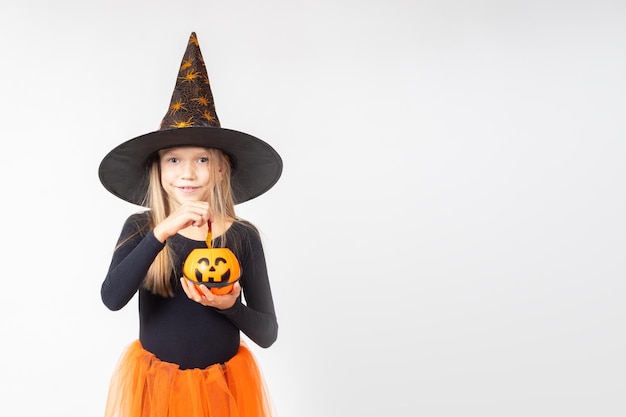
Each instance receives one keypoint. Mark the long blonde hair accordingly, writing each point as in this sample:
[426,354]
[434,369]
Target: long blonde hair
[158,279]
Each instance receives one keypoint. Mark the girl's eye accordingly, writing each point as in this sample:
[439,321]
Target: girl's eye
[172,160]
[203,160]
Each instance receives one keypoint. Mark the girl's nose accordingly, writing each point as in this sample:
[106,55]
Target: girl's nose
[187,171]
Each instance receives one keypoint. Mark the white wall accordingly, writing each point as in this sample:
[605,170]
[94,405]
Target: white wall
[447,238]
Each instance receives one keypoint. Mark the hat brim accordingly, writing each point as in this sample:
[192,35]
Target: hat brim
[256,166]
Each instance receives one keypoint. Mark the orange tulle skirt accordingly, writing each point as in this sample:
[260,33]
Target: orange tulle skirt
[144,386]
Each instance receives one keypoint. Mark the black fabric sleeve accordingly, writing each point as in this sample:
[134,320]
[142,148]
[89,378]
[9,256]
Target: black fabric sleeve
[256,318]
[129,264]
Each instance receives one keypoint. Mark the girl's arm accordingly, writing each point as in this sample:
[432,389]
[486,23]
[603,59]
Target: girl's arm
[256,318]
[129,264]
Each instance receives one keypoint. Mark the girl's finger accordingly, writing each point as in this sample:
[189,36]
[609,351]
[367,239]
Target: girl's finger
[190,290]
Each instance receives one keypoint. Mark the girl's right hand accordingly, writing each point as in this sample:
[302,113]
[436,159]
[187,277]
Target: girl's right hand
[190,213]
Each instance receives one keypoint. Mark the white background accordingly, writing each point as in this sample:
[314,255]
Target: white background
[448,235]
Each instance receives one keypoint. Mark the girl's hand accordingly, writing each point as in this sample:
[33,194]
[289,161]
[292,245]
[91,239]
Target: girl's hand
[190,213]
[203,295]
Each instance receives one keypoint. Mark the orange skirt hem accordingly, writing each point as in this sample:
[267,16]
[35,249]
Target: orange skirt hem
[144,386]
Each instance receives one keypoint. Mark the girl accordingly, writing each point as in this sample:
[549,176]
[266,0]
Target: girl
[189,359]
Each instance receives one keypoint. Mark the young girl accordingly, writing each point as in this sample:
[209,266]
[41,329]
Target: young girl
[189,359]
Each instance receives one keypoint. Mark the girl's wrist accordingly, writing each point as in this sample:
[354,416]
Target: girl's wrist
[159,234]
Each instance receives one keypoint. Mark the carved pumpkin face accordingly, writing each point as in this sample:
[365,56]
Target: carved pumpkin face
[217,268]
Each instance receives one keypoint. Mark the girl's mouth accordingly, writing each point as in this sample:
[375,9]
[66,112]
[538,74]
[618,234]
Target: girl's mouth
[187,189]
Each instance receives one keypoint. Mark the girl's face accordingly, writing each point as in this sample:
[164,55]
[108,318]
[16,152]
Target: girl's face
[185,174]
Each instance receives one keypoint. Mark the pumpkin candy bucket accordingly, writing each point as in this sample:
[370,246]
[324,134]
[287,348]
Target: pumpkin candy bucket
[216,268]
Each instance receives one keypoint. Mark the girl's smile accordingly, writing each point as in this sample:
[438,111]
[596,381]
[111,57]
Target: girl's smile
[187,189]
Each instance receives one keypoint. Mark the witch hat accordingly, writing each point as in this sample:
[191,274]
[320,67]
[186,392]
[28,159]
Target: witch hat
[191,120]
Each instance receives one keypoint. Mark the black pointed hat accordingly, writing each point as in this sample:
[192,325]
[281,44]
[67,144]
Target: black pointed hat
[191,120]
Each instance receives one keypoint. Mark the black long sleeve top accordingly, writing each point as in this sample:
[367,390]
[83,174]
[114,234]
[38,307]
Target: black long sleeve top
[179,330]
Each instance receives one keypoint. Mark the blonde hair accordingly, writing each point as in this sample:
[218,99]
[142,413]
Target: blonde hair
[158,279]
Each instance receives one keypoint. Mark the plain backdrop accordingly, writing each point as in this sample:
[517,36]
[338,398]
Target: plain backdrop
[448,235]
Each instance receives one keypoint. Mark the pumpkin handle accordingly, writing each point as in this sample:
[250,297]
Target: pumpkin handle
[209,236]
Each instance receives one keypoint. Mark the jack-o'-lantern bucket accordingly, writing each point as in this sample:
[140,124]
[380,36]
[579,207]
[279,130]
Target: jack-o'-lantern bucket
[216,268]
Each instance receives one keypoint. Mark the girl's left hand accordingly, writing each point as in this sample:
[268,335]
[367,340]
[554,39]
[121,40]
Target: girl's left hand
[203,295]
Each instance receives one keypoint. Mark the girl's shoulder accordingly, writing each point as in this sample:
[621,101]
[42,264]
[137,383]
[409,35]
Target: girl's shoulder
[139,217]
[242,235]
[245,228]
[138,221]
